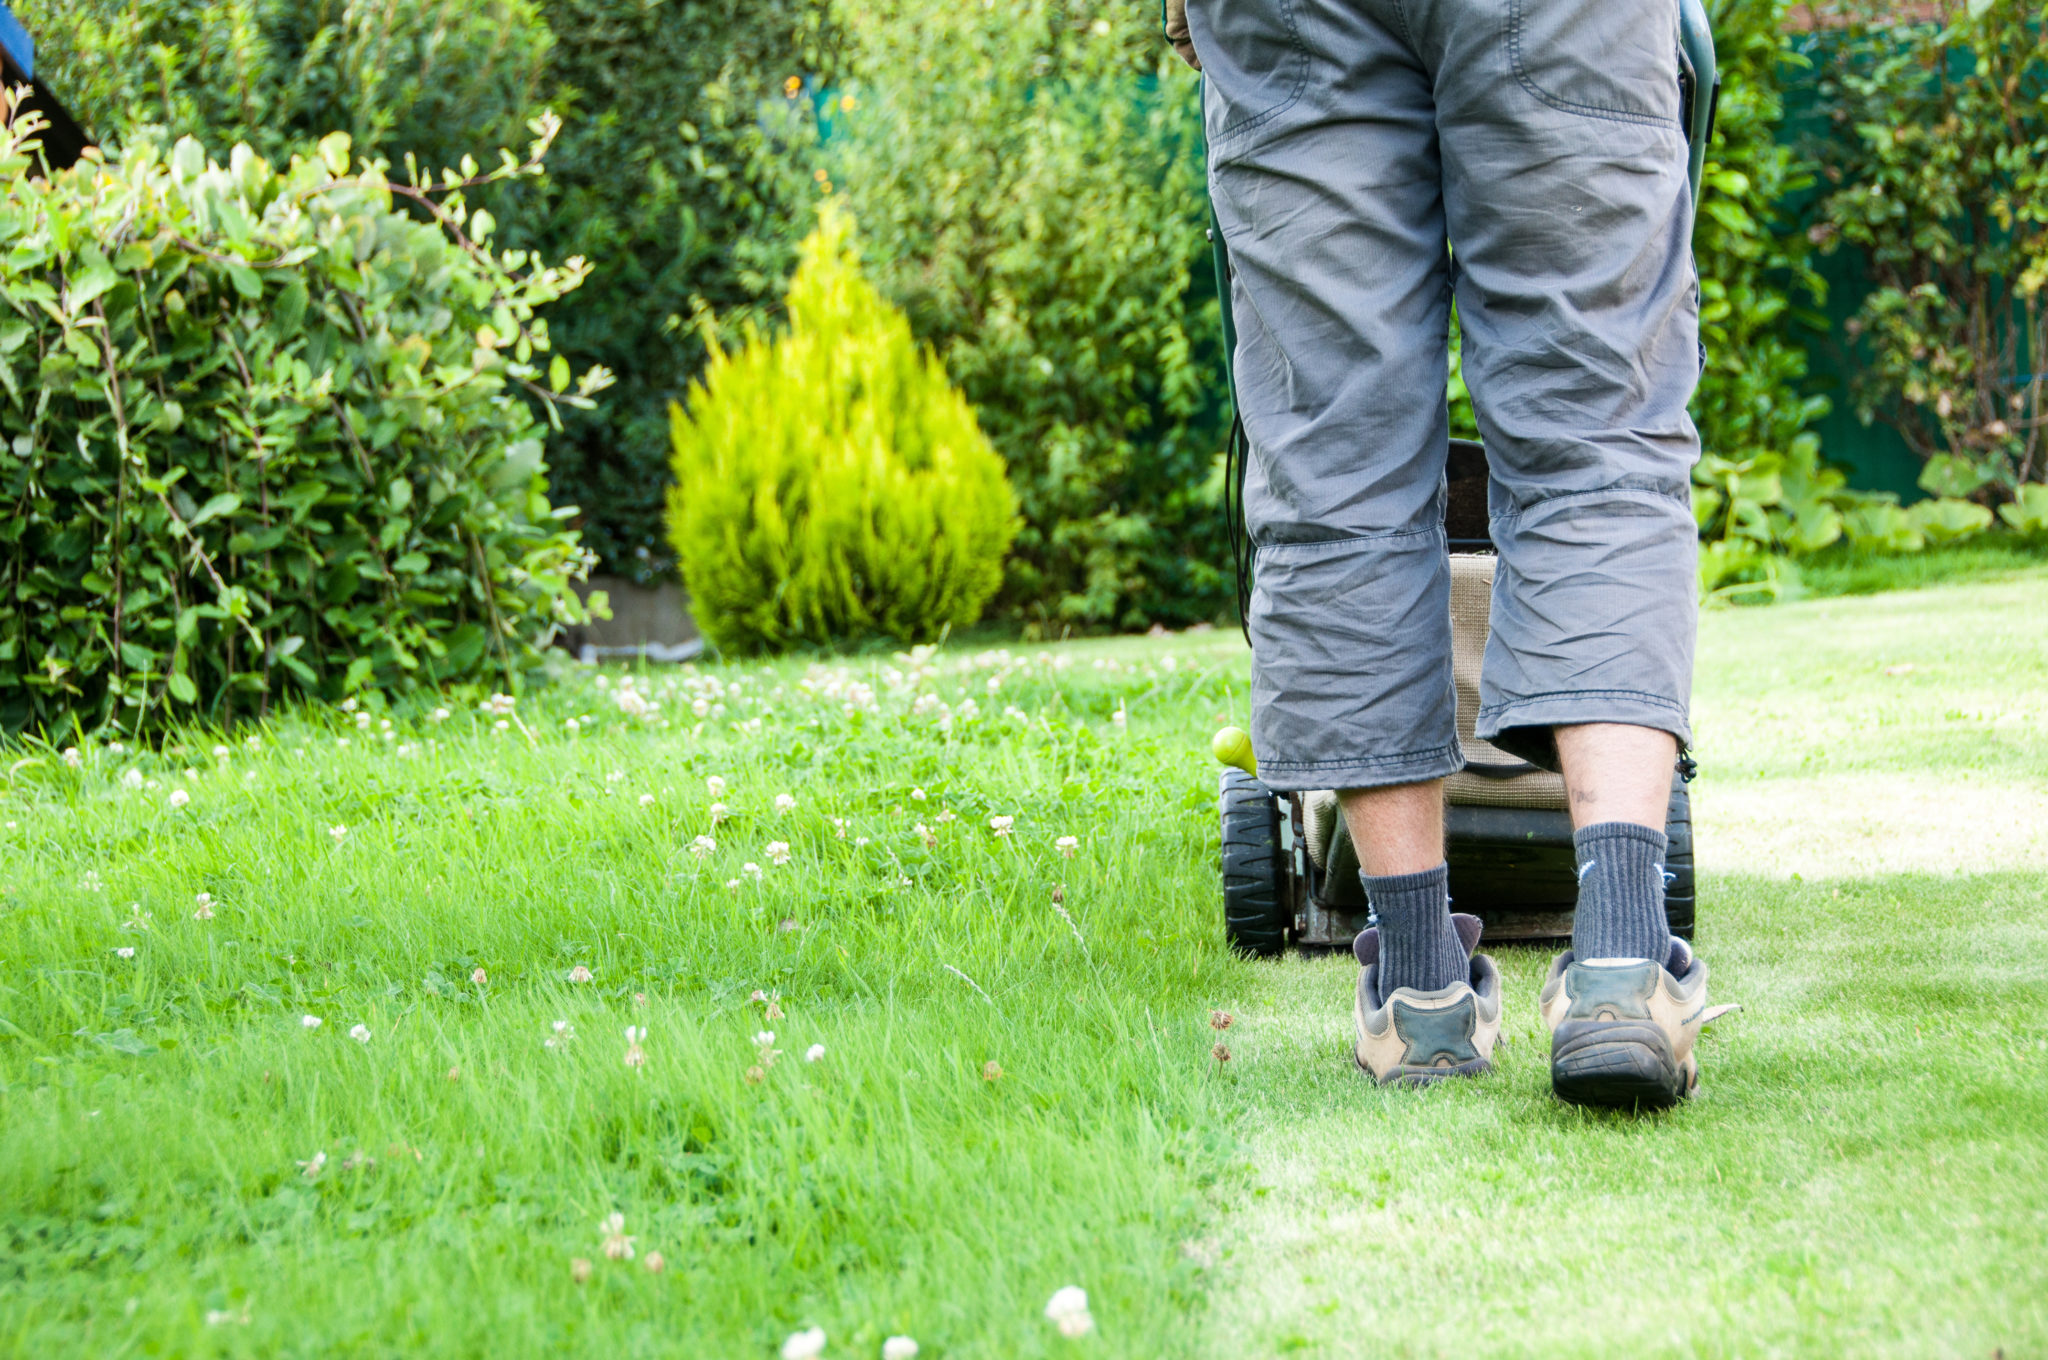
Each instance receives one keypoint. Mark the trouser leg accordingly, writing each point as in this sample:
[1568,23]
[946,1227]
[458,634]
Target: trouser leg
[1325,174]
[1570,216]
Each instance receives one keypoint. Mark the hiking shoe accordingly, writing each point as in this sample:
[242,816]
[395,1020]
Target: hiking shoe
[1622,1030]
[1414,1038]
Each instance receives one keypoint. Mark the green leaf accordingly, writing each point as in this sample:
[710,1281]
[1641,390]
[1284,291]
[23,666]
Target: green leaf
[226,503]
[359,672]
[411,564]
[245,280]
[182,689]
[558,373]
[96,278]
[289,309]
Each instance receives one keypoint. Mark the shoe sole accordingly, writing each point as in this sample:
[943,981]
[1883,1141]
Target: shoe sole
[1615,1063]
[1424,1076]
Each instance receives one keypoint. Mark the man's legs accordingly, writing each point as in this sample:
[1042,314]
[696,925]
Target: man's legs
[1398,830]
[1327,185]
[1618,778]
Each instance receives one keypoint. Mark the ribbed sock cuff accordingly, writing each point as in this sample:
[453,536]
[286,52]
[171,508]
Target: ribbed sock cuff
[1621,893]
[1419,947]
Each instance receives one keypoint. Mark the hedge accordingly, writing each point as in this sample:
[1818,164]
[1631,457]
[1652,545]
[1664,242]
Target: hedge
[264,432]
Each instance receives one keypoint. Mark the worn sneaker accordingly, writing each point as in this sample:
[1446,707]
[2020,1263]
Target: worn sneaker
[1413,1038]
[1622,1030]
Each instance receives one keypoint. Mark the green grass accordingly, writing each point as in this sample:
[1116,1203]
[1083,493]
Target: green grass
[1866,1171]
[1843,570]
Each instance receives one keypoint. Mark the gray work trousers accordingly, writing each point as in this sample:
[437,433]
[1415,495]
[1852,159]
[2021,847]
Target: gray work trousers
[1350,143]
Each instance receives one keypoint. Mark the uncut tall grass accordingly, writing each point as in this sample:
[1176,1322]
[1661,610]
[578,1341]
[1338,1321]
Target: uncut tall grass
[188,1167]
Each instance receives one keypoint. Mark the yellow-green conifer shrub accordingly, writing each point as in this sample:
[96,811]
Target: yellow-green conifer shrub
[831,484]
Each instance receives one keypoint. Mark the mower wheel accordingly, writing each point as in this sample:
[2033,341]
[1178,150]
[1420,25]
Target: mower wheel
[1255,910]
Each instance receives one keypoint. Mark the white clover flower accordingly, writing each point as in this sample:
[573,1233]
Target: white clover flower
[126,951]
[720,813]
[362,721]
[636,1034]
[646,800]
[348,705]
[479,977]
[359,1033]
[751,870]
[311,1168]
[310,1021]
[784,804]
[253,743]
[501,705]
[615,777]
[138,919]
[714,785]
[177,799]
[764,1038]
[804,1345]
[703,846]
[1068,1310]
[438,715]
[72,758]
[1001,825]
[917,794]
[1067,845]
[617,1245]
[1119,718]
[340,833]
[733,884]
[777,852]
[579,974]
[814,1053]
[131,778]
[204,910]
[221,753]
[838,826]
[501,726]
[859,841]
[899,1348]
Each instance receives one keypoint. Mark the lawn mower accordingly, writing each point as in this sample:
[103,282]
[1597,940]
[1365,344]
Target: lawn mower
[1290,871]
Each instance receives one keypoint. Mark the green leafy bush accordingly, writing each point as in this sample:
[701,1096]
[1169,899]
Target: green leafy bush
[1029,182]
[831,485]
[1753,261]
[1940,175]
[260,433]
[442,79]
[682,173]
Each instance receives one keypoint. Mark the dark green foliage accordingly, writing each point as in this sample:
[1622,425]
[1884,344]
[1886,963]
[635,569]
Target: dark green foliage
[669,177]
[683,176]
[1028,179]
[1753,262]
[1939,172]
[440,78]
[260,433]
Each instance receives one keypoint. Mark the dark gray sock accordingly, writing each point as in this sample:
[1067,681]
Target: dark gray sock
[1621,893]
[1419,948]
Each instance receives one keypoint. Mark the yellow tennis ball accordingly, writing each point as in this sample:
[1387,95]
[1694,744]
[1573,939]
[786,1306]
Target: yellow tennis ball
[1233,746]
